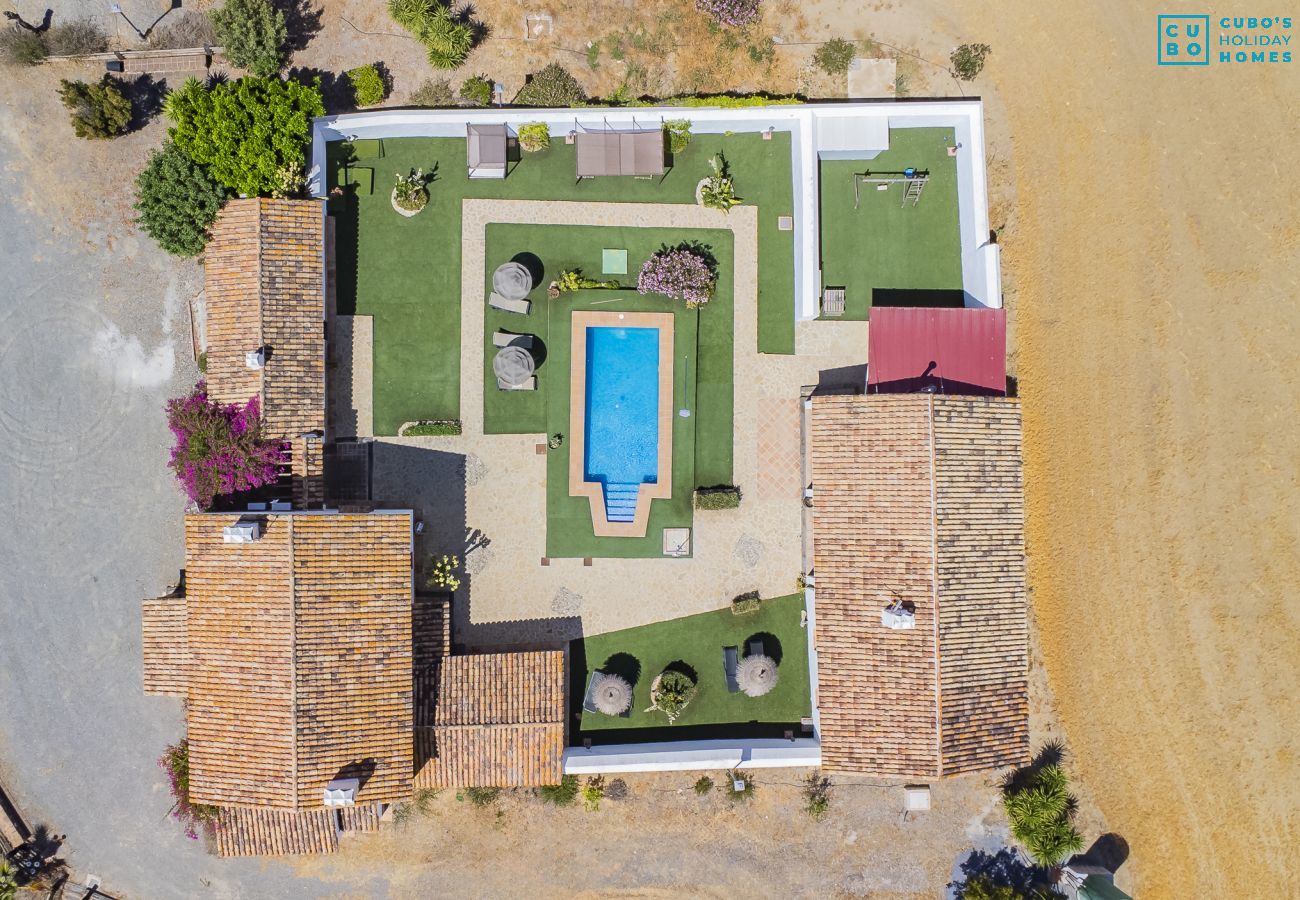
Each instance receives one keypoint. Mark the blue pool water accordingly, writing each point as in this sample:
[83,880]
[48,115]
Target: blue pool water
[622,433]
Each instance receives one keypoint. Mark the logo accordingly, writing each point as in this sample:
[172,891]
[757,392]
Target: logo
[1183,40]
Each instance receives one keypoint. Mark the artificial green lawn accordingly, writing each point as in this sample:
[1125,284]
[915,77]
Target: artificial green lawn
[697,641]
[406,272]
[883,244]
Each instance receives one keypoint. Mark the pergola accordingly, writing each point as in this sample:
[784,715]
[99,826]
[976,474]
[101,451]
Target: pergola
[486,150]
[639,153]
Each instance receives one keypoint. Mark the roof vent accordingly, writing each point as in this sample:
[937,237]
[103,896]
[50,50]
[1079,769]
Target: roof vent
[255,359]
[245,531]
[342,792]
[895,615]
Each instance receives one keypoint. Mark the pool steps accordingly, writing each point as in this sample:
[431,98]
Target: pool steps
[620,502]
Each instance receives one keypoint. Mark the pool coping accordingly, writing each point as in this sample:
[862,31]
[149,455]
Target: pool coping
[579,486]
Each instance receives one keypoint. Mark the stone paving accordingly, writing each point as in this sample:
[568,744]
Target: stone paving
[501,513]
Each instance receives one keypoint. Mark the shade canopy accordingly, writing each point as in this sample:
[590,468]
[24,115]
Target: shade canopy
[756,675]
[613,695]
[512,281]
[946,351]
[486,151]
[620,152]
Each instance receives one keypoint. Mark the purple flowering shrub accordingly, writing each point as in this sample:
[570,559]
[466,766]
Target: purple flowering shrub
[730,12]
[219,447]
[175,761]
[682,273]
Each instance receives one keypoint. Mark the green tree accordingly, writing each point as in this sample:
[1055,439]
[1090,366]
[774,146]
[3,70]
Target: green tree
[476,90]
[252,34]
[552,86]
[99,110]
[835,56]
[1041,810]
[177,201]
[447,39]
[968,60]
[248,133]
[368,85]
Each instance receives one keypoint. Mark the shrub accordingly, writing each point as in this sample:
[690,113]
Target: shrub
[703,785]
[175,761]
[252,35]
[835,56]
[534,136]
[183,29]
[672,694]
[616,790]
[368,86]
[433,92]
[76,38]
[743,604]
[593,792]
[723,496]
[1041,808]
[447,40]
[476,90]
[968,60]
[177,201]
[679,134]
[552,86]
[746,792]
[442,574]
[556,441]
[817,795]
[246,132]
[8,881]
[718,190]
[573,280]
[202,362]
[20,47]
[431,428]
[219,447]
[99,110]
[730,12]
[410,192]
[722,101]
[680,273]
[563,794]
[482,796]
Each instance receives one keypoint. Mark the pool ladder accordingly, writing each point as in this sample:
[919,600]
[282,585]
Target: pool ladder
[620,502]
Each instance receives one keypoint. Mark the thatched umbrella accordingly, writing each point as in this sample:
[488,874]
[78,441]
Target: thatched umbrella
[613,695]
[756,675]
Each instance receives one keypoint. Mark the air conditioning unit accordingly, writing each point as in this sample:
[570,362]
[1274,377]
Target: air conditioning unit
[342,792]
[245,531]
[255,359]
[896,616]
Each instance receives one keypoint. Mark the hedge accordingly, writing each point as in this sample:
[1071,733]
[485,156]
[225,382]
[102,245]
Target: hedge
[723,496]
[434,428]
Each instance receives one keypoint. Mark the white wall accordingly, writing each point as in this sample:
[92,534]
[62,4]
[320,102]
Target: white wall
[682,756]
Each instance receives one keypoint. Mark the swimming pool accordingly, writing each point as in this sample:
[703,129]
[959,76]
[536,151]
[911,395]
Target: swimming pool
[621,416]
[622,429]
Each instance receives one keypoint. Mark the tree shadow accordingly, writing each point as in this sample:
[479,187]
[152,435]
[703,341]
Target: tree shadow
[625,666]
[1051,753]
[301,20]
[771,645]
[146,94]
[1005,869]
[1110,851]
[480,29]
[336,90]
[216,77]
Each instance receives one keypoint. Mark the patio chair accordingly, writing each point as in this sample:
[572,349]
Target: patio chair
[730,661]
[506,338]
[833,302]
[529,385]
[496,301]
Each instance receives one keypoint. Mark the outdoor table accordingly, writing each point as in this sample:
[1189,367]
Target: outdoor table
[512,281]
[513,365]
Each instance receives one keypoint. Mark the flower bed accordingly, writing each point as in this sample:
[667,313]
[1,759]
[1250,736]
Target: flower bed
[680,273]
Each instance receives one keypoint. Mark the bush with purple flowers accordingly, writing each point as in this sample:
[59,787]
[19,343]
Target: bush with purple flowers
[682,273]
[219,447]
[730,12]
[175,761]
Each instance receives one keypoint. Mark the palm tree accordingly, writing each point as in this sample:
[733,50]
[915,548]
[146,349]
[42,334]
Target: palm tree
[1040,814]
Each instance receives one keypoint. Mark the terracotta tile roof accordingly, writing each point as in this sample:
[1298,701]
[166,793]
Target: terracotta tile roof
[279,832]
[265,287]
[300,658]
[919,498]
[499,722]
[307,471]
[166,647]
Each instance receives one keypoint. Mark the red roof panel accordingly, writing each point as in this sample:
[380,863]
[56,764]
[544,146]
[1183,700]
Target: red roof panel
[949,351]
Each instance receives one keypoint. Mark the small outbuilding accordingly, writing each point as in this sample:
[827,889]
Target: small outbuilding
[486,150]
[639,153]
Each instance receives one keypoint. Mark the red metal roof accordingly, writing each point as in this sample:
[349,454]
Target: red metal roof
[949,351]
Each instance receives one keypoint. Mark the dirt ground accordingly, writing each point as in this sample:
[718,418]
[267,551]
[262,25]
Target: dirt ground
[1151,252]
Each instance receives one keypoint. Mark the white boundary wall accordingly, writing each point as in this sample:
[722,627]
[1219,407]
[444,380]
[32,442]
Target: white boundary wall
[981,270]
[680,756]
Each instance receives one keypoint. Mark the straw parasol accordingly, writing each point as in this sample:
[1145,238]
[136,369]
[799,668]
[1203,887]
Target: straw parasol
[756,675]
[613,695]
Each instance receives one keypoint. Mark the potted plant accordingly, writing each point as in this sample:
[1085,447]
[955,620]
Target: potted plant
[442,573]
[717,191]
[411,194]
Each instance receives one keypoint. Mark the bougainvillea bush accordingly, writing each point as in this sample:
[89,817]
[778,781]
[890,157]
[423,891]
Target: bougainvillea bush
[730,12]
[219,447]
[680,273]
[175,761]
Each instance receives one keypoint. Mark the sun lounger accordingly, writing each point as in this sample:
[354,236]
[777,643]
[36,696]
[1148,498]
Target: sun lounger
[506,338]
[589,700]
[729,664]
[529,385]
[755,648]
[496,301]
